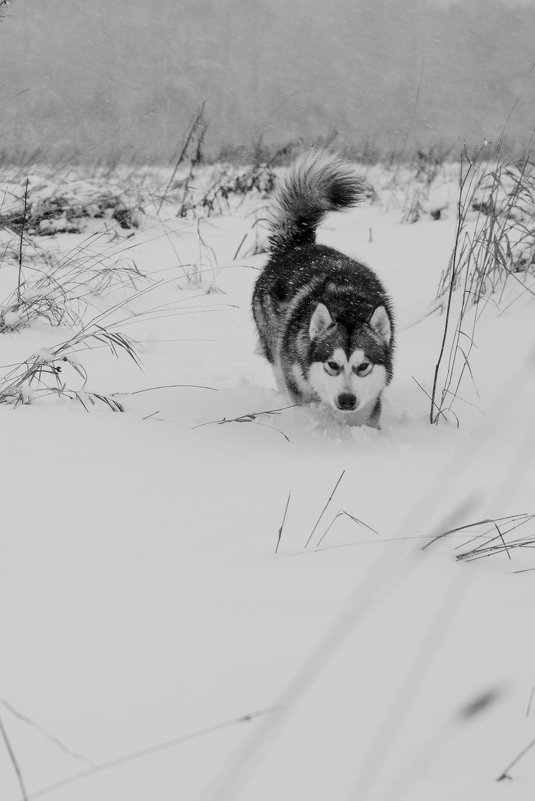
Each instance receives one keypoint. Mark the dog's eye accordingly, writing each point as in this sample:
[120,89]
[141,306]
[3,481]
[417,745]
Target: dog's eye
[332,367]
[364,368]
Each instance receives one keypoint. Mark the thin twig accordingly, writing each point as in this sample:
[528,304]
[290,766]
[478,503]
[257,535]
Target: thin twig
[21,239]
[152,414]
[187,139]
[14,762]
[528,710]
[29,722]
[516,760]
[324,508]
[177,741]
[165,386]
[240,245]
[245,418]
[502,539]
[283,521]
[434,403]
[264,425]
[335,518]
[453,264]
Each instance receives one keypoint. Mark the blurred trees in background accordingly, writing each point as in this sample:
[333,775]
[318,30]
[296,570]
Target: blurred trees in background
[121,80]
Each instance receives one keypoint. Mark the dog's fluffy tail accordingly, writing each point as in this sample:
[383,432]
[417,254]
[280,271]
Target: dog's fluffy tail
[317,182]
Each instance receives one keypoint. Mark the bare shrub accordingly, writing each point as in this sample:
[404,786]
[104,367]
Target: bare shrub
[488,251]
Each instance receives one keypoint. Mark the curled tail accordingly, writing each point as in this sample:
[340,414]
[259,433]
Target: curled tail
[317,182]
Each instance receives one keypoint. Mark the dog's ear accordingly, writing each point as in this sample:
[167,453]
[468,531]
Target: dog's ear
[380,323]
[320,321]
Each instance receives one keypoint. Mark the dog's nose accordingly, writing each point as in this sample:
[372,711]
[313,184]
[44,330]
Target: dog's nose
[347,401]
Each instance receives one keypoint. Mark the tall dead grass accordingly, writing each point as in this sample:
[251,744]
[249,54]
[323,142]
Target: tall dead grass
[494,245]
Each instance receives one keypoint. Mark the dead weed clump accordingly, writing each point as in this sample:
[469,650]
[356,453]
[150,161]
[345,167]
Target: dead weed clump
[494,245]
[56,290]
[43,373]
[49,205]
[490,537]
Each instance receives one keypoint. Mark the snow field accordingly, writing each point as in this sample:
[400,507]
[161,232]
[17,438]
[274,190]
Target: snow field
[142,597]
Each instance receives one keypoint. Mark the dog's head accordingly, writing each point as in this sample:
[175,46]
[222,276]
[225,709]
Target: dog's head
[350,364]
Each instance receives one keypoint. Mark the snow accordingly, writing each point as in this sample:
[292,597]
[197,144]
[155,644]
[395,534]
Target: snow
[143,601]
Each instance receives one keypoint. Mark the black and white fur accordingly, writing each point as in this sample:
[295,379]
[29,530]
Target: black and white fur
[324,320]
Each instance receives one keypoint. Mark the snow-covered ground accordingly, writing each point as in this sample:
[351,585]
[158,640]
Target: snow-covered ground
[156,638]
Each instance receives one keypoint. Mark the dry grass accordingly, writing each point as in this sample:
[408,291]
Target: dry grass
[52,201]
[494,244]
[44,373]
[59,291]
[490,537]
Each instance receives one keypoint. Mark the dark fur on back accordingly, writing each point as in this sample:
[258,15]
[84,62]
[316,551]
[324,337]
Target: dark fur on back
[349,289]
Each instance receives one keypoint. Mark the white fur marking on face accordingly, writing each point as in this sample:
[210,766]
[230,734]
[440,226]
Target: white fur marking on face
[380,323]
[340,358]
[320,321]
[326,386]
[356,358]
[366,389]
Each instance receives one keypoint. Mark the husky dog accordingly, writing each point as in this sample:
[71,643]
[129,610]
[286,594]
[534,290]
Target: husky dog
[324,320]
